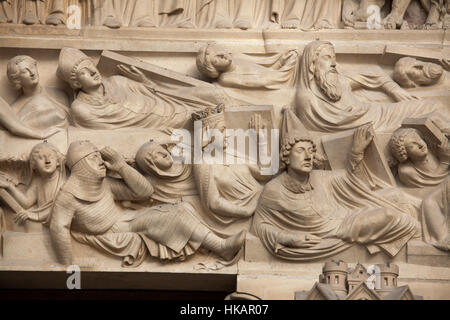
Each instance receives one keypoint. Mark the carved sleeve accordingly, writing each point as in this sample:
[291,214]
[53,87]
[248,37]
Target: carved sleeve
[63,213]
[133,187]
[222,206]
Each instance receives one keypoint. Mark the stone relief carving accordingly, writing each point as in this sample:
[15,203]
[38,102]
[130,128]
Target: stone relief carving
[238,14]
[169,209]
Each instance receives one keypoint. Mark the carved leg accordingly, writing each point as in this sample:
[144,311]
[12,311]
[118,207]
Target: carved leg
[223,9]
[5,12]
[30,16]
[109,12]
[143,15]
[447,16]
[57,15]
[244,14]
[433,22]
[293,12]
[227,249]
[395,18]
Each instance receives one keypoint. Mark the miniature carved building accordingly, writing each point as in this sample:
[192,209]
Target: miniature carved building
[338,282]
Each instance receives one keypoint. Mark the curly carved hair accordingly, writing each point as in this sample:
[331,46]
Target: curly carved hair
[12,69]
[287,147]
[397,143]
[204,63]
[400,72]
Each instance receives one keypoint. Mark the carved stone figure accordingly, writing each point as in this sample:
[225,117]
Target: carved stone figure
[177,13]
[436,12]
[436,217]
[35,106]
[6,11]
[132,100]
[412,73]
[226,14]
[307,14]
[117,13]
[245,72]
[325,100]
[171,181]
[48,174]
[86,208]
[229,191]
[354,11]
[418,166]
[57,13]
[306,214]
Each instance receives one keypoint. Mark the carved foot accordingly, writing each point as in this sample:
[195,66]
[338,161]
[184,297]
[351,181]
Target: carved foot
[273,26]
[233,245]
[112,23]
[405,26]
[392,22]
[432,26]
[291,24]
[30,20]
[444,244]
[243,24]
[224,24]
[146,23]
[55,19]
[325,25]
[447,21]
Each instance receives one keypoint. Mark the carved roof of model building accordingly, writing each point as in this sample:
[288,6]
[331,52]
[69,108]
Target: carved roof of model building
[357,273]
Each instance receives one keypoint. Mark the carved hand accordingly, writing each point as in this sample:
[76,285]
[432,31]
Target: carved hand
[21,217]
[132,73]
[403,95]
[298,240]
[362,138]
[257,124]
[348,17]
[444,152]
[5,183]
[113,160]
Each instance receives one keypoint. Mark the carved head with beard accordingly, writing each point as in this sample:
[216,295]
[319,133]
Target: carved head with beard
[325,72]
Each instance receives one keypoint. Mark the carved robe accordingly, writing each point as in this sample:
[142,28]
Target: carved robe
[311,14]
[7,11]
[436,217]
[41,111]
[413,177]
[177,13]
[127,103]
[339,209]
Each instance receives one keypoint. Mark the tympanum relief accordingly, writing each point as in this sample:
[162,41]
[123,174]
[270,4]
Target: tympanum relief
[361,151]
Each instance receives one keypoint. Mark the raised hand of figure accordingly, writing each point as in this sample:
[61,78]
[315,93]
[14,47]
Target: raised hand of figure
[362,138]
[444,151]
[299,240]
[446,64]
[113,160]
[257,124]
[132,73]
[21,217]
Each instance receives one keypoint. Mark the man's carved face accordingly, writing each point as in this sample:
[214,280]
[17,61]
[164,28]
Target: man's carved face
[28,73]
[45,161]
[301,158]
[89,77]
[97,164]
[424,73]
[326,75]
[415,146]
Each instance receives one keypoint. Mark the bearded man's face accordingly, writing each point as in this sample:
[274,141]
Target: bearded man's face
[326,75]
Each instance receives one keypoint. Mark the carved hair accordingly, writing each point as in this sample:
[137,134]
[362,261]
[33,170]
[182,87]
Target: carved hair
[286,148]
[204,63]
[12,69]
[397,143]
[401,72]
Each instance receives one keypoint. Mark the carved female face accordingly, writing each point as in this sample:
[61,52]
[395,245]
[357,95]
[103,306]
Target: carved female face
[45,161]
[416,148]
[89,77]
[161,158]
[96,164]
[28,75]
[301,158]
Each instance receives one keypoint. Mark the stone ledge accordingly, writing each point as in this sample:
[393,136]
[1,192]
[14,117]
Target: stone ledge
[189,41]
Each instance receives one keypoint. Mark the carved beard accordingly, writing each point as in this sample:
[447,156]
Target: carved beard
[328,82]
